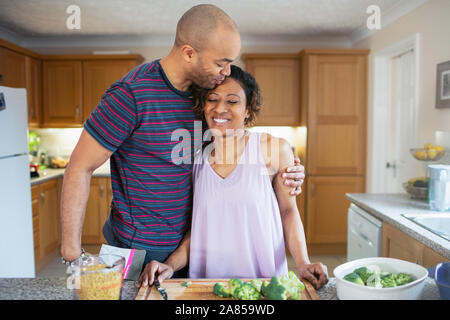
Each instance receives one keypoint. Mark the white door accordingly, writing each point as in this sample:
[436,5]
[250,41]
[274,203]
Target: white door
[402,124]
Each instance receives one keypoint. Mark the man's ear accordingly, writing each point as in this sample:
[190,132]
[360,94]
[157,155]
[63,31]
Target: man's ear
[188,53]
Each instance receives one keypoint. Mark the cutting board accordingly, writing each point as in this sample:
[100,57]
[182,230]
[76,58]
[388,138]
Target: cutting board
[201,289]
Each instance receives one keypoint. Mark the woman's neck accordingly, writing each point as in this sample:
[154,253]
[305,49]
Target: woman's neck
[228,148]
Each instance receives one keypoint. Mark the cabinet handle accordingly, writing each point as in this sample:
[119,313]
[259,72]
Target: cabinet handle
[313,190]
[32,111]
[1,78]
[102,191]
[43,196]
[77,111]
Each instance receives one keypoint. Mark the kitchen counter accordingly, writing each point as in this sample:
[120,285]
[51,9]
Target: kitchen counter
[390,207]
[55,289]
[48,174]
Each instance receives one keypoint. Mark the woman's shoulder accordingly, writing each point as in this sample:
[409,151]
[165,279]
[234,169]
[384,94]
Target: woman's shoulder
[275,150]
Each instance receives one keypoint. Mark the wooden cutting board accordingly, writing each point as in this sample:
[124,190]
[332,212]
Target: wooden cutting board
[201,289]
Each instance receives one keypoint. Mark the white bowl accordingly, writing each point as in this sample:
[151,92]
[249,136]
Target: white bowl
[347,290]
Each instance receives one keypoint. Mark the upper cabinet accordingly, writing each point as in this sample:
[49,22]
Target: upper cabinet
[12,68]
[99,75]
[73,85]
[278,76]
[62,97]
[334,104]
[33,70]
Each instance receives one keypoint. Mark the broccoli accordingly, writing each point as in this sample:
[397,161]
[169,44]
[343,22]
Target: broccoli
[274,290]
[388,280]
[246,292]
[403,278]
[221,290]
[355,278]
[234,283]
[293,285]
[374,281]
[363,273]
[186,284]
[257,283]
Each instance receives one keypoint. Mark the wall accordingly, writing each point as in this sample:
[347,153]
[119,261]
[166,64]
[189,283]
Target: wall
[432,22]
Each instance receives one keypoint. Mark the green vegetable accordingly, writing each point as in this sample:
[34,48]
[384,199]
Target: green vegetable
[374,281]
[403,278]
[246,292]
[355,278]
[274,290]
[222,290]
[293,285]
[234,284]
[257,283]
[388,280]
[186,284]
[364,273]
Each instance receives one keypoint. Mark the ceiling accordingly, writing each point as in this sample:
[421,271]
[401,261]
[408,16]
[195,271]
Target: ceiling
[308,18]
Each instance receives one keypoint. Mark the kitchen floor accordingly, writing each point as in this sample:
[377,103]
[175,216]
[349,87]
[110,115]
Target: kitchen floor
[56,269]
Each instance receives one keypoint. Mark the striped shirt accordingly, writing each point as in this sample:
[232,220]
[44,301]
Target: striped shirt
[152,190]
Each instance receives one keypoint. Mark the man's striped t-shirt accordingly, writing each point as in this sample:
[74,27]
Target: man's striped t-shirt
[152,194]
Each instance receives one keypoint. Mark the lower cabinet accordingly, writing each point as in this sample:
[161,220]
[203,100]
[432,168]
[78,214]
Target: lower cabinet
[45,199]
[326,220]
[97,211]
[397,244]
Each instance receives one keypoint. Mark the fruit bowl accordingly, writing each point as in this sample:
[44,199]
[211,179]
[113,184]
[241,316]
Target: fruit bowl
[432,153]
[419,193]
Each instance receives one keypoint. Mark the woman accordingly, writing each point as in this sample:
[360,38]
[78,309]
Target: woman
[243,214]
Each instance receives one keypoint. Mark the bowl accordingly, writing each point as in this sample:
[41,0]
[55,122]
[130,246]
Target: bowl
[351,291]
[430,154]
[441,275]
[419,193]
[98,277]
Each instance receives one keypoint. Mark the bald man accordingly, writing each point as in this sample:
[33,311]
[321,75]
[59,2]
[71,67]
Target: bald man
[133,125]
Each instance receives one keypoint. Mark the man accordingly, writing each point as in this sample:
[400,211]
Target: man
[132,126]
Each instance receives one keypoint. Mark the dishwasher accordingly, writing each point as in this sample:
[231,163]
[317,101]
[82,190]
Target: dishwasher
[363,234]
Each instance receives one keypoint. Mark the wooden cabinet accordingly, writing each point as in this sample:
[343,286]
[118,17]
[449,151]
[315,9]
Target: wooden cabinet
[62,99]
[333,108]
[327,208]
[278,76]
[399,245]
[33,72]
[97,211]
[99,76]
[12,68]
[334,93]
[35,209]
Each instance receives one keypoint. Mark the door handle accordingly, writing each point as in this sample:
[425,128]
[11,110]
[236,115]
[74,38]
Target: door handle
[392,165]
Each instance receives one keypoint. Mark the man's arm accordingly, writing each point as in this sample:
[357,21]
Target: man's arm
[87,156]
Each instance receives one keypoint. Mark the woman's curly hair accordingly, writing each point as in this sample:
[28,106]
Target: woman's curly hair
[248,83]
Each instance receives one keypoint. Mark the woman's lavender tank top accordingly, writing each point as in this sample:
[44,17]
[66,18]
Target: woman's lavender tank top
[236,225]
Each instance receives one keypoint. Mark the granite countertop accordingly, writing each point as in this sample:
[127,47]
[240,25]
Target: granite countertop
[55,289]
[390,207]
[48,174]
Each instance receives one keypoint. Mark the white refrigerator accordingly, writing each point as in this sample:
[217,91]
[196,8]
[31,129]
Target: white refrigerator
[16,224]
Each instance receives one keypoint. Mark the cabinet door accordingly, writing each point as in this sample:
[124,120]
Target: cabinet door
[48,217]
[327,208]
[62,94]
[99,76]
[35,195]
[34,89]
[336,100]
[95,212]
[397,244]
[12,69]
[279,82]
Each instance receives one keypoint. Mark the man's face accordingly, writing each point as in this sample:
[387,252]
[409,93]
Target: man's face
[213,62]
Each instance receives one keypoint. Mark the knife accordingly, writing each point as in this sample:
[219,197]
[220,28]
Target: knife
[161,290]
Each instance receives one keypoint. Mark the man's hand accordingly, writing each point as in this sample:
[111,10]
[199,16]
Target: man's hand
[315,273]
[152,269]
[294,177]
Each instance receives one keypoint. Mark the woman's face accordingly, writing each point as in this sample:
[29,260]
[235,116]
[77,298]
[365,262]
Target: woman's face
[225,108]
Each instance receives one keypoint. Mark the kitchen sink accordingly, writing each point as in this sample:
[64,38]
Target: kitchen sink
[438,223]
